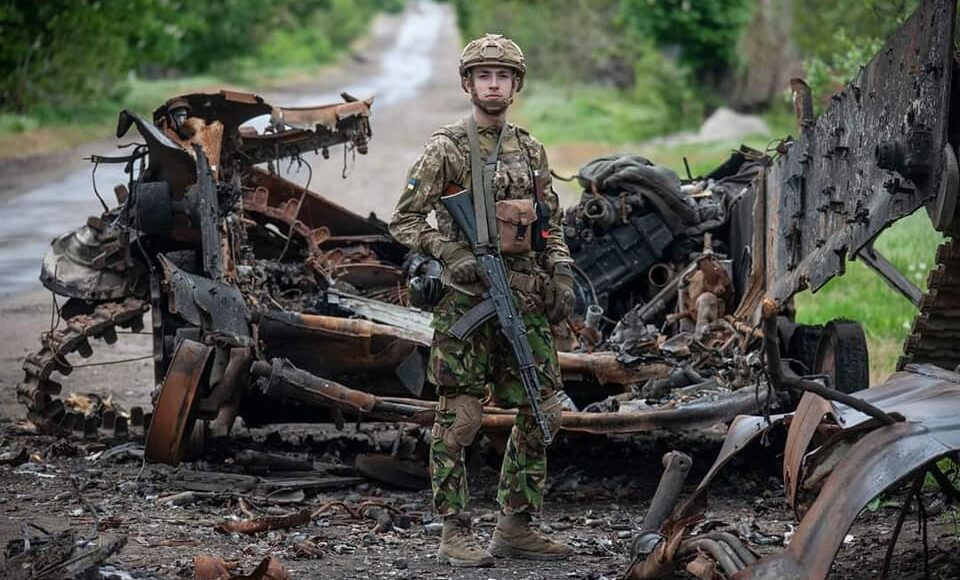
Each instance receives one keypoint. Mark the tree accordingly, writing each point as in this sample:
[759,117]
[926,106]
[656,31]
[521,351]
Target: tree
[702,33]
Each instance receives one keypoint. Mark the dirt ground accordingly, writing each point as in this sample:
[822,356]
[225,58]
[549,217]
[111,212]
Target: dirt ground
[598,490]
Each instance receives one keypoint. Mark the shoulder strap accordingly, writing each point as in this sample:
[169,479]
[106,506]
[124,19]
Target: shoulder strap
[481,177]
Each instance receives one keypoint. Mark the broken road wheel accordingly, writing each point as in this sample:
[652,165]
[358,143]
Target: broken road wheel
[173,419]
[842,356]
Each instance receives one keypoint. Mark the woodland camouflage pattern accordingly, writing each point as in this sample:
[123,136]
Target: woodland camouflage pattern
[476,367]
[482,366]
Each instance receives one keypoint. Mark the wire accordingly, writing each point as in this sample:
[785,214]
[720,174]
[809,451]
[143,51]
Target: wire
[93,177]
[56,307]
[296,214]
[114,362]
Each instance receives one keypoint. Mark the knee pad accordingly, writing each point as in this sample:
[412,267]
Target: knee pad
[468,418]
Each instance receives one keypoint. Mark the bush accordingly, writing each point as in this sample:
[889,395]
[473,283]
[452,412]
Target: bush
[58,58]
[704,33]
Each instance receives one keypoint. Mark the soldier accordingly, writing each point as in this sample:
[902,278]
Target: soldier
[482,367]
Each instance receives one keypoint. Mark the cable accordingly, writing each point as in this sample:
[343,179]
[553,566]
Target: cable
[296,214]
[93,177]
[114,362]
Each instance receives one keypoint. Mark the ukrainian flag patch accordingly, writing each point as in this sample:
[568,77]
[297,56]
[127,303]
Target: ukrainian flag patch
[412,184]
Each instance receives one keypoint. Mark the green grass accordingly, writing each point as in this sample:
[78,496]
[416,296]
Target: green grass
[910,244]
[597,114]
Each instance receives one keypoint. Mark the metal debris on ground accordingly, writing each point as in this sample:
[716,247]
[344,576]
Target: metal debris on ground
[57,557]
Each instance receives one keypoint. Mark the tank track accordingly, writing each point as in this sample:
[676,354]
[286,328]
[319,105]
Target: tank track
[40,393]
[935,336]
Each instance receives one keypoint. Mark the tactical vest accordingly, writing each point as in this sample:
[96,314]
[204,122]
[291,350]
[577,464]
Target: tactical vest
[514,178]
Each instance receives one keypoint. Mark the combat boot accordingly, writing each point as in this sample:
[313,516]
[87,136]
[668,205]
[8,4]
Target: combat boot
[458,547]
[514,538]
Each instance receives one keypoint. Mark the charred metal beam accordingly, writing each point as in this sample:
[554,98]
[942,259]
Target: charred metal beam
[871,257]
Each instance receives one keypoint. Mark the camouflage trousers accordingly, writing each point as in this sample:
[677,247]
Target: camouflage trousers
[483,367]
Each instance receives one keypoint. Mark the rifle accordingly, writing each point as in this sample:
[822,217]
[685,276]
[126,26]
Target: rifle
[498,301]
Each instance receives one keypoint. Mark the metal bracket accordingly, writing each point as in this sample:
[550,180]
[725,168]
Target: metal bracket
[871,257]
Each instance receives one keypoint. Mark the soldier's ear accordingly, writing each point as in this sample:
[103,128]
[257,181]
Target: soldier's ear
[466,82]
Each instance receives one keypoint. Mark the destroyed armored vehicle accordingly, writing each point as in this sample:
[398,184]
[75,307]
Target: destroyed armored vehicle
[886,146]
[271,303]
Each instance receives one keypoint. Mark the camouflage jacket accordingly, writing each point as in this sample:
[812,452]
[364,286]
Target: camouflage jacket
[445,160]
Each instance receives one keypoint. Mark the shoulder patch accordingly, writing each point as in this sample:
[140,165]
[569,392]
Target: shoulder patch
[412,184]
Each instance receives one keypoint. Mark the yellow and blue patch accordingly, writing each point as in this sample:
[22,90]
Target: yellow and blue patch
[412,185]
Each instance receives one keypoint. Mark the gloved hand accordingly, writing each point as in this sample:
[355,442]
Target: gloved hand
[461,263]
[559,298]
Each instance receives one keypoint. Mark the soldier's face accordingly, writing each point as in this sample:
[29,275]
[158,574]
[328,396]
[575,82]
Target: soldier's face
[493,82]
[491,87]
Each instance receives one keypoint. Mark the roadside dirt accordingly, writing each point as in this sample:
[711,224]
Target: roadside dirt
[598,490]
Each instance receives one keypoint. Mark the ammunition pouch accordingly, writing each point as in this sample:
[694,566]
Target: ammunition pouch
[468,418]
[517,220]
[529,283]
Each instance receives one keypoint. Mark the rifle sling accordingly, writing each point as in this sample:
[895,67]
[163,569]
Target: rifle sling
[481,177]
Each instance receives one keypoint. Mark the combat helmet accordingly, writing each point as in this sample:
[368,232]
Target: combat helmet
[494,50]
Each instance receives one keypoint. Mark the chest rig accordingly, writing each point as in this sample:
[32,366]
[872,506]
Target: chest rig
[508,194]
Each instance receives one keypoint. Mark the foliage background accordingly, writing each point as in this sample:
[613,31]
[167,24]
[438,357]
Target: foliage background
[58,58]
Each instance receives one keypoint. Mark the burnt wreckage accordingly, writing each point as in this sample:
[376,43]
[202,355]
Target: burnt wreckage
[270,302]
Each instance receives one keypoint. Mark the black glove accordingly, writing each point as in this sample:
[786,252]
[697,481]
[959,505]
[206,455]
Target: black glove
[559,298]
[460,262]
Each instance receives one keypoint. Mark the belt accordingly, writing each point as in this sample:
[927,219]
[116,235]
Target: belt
[529,283]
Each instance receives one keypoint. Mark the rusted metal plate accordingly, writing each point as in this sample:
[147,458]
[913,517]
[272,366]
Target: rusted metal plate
[325,115]
[269,193]
[832,196]
[810,412]
[928,398]
[231,108]
[172,412]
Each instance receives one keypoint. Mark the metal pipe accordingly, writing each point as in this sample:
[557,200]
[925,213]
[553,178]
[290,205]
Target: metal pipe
[735,543]
[605,367]
[283,380]
[659,275]
[660,302]
[715,550]
[676,467]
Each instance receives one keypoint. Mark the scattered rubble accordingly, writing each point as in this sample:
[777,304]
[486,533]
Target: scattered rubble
[684,320]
